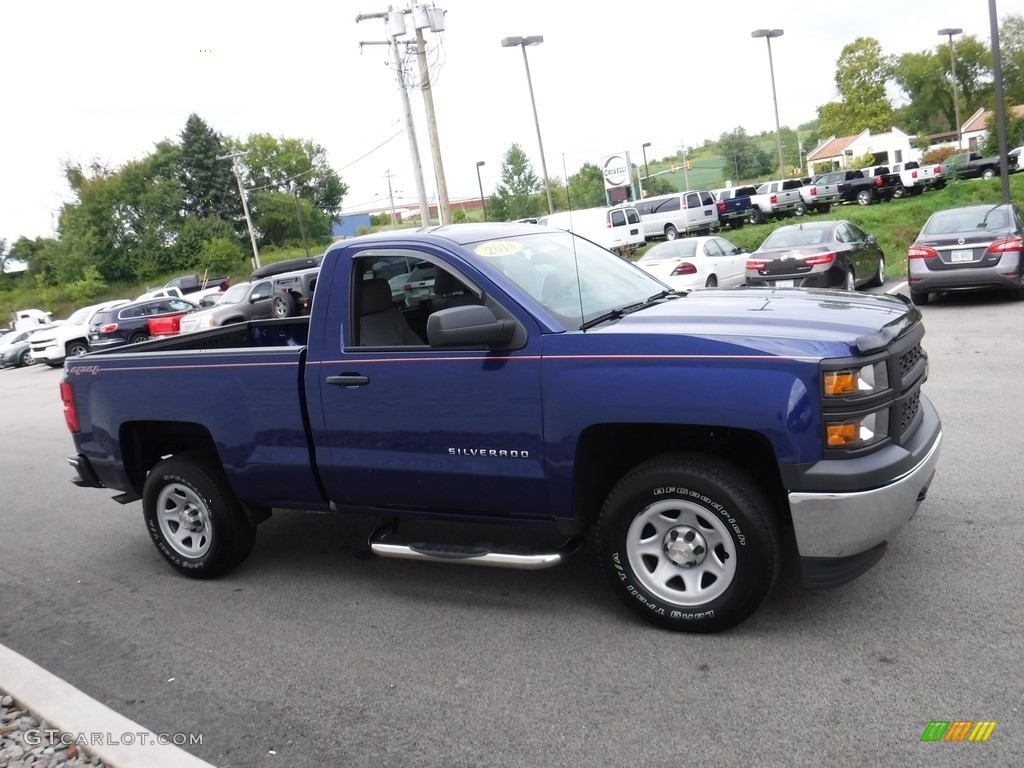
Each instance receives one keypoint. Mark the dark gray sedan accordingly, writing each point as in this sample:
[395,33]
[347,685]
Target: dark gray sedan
[974,247]
[817,254]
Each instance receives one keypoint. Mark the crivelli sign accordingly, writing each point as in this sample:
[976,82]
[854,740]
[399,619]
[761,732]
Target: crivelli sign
[616,170]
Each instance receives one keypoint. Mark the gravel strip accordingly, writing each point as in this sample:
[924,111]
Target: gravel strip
[27,743]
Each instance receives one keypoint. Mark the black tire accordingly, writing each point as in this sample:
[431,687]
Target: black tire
[284,305]
[800,210]
[879,278]
[190,487]
[987,174]
[901,191]
[671,233]
[138,337]
[25,358]
[824,207]
[865,197]
[849,281]
[725,522]
[712,282]
[76,348]
[756,216]
[920,299]
[737,223]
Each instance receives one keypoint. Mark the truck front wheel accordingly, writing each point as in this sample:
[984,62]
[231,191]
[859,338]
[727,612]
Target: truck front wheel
[194,518]
[689,543]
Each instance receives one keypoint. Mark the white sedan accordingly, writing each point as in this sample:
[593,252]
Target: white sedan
[696,262]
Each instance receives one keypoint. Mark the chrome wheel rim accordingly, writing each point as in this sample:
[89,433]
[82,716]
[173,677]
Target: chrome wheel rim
[681,553]
[850,281]
[184,520]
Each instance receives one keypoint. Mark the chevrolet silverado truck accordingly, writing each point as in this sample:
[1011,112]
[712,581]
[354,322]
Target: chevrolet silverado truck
[857,187]
[916,178]
[733,205]
[971,165]
[774,200]
[547,384]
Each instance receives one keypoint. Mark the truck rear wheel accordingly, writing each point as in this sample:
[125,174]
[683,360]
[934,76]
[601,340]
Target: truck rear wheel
[671,233]
[194,518]
[284,305]
[689,543]
[756,217]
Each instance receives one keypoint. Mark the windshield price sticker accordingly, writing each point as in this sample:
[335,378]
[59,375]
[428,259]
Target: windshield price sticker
[498,248]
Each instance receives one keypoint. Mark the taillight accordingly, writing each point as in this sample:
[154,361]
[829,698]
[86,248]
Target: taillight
[775,199]
[938,170]
[819,258]
[407,287]
[814,191]
[721,207]
[921,252]
[684,268]
[879,181]
[1010,244]
[67,397]
[757,264]
[108,328]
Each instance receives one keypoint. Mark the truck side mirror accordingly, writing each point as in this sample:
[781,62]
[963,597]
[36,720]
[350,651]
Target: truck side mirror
[471,325]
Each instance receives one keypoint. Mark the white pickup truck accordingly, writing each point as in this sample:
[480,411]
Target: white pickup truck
[775,200]
[916,178]
[818,197]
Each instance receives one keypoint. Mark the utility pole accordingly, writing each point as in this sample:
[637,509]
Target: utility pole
[444,208]
[298,215]
[391,198]
[245,206]
[396,26]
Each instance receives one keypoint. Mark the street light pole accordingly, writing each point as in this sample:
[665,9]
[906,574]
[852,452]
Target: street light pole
[522,42]
[647,173]
[483,204]
[950,31]
[768,34]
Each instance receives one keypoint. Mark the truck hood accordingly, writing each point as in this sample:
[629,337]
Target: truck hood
[770,318]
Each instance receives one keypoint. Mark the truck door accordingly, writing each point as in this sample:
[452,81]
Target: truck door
[405,427]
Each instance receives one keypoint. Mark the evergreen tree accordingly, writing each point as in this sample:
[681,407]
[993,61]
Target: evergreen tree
[208,184]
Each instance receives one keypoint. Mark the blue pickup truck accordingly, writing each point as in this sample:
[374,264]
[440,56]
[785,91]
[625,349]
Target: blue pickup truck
[545,383]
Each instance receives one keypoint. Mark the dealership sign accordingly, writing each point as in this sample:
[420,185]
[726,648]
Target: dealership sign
[616,170]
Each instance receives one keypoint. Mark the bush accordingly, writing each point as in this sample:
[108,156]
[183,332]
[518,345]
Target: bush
[938,155]
[219,255]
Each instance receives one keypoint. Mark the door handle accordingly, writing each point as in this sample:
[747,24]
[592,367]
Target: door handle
[349,380]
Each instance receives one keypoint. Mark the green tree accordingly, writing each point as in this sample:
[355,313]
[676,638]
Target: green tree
[207,183]
[586,187]
[517,196]
[1011,47]
[861,74]
[277,170]
[743,158]
[658,185]
[918,76]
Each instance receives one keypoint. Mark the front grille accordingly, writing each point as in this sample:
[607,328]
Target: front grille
[909,359]
[909,411]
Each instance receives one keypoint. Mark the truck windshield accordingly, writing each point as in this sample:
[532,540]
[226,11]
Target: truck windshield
[572,278]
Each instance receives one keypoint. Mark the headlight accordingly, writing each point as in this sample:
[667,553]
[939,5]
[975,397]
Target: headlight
[858,432]
[856,381]
[206,322]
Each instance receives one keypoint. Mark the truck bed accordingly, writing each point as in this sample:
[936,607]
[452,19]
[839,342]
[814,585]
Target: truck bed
[290,332]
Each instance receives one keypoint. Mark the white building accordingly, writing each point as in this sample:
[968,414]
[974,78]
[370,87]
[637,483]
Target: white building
[839,151]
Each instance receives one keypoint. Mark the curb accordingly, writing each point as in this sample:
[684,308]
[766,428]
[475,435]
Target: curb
[67,709]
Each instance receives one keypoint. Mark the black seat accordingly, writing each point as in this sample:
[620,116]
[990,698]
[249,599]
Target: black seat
[380,322]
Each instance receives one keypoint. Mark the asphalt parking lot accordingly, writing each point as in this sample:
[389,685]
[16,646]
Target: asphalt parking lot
[311,653]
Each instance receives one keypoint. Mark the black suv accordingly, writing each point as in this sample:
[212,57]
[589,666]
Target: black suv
[129,323]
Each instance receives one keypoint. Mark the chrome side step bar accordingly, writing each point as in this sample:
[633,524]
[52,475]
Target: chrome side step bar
[470,554]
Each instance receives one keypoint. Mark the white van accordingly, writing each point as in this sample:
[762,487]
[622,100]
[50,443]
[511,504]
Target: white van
[681,213]
[25,319]
[618,229]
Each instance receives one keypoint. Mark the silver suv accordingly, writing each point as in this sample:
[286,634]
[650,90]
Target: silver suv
[245,301]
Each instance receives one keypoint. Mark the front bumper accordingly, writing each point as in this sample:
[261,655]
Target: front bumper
[846,526]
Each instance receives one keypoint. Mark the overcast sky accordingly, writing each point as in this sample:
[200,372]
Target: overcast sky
[107,79]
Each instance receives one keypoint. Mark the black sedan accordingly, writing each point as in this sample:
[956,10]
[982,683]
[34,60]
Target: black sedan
[819,254]
[129,323]
[967,248]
